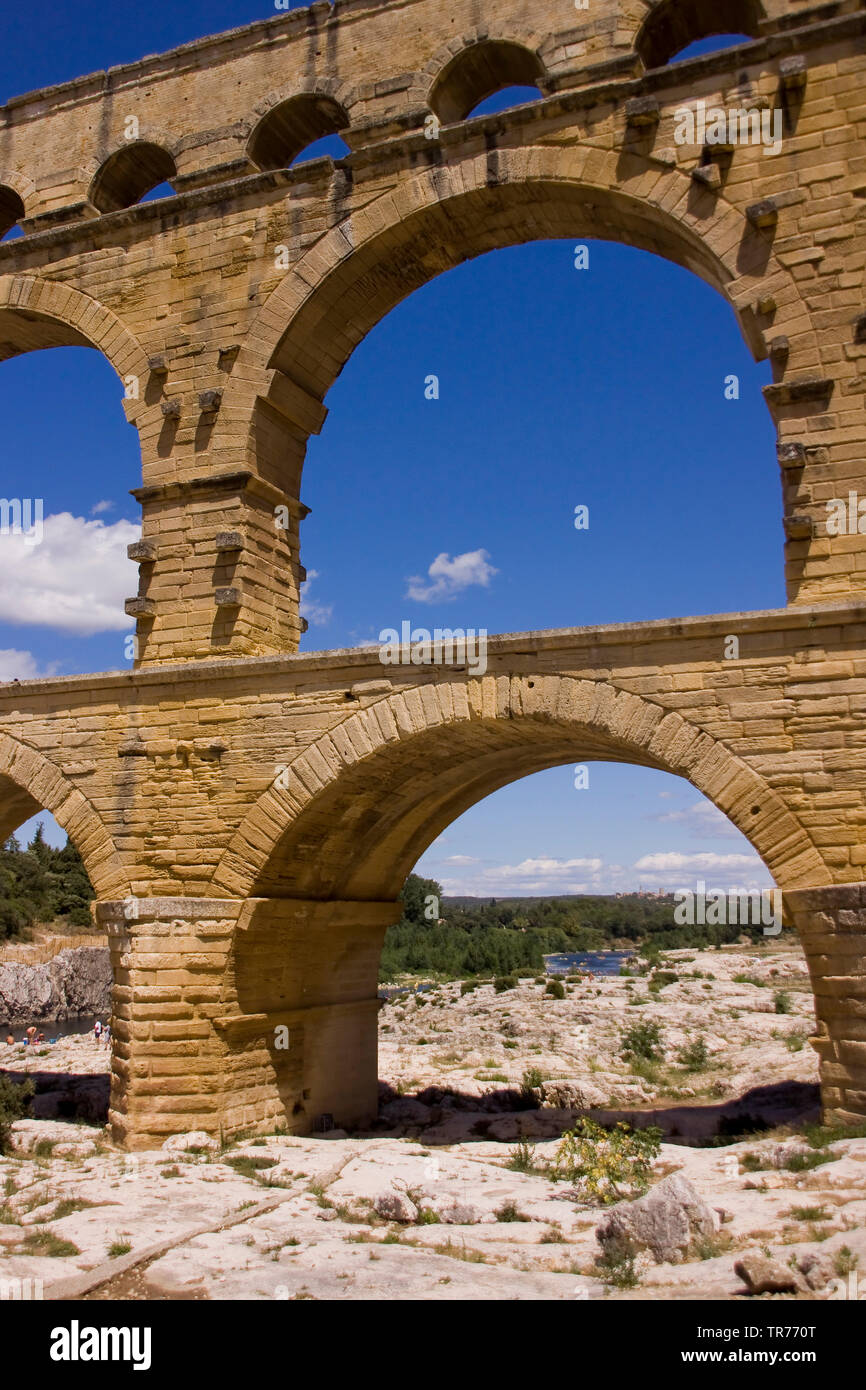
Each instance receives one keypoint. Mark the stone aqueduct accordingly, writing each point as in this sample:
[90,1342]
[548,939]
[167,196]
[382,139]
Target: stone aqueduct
[228,310]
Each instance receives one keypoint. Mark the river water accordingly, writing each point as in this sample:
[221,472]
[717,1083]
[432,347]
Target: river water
[599,962]
[53,1028]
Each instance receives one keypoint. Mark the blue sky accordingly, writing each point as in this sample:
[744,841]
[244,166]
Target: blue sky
[557,387]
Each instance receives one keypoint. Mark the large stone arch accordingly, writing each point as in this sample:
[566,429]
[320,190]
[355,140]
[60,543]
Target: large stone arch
[30,783]
[363,802]
[304,334]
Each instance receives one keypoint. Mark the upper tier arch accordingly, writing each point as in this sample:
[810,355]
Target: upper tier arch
[671,25]
[356,273]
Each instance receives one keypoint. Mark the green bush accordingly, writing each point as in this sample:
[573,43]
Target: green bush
[521,1158]
[509,1211]
[782,1001]
[608,1164]
[661,978]
[643,1040]
[503,983]
[556,989]
[695,1056]
[531,1081]
[14,1105]
[617,1267]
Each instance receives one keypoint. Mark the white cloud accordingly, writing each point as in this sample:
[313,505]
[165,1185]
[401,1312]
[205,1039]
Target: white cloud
[548,876]
[104,506]
[702,819]
[530,876]
[705,862]
[317,614]
[532,867]
[74,580]
[21,666]
[451,577]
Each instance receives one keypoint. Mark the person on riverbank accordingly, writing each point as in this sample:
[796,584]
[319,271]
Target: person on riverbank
[97,1032]
[106,1034]
[30,1036]
[10,1041]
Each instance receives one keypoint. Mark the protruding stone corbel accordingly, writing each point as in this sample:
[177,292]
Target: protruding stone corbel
[209,402]
[132,750]
[139,608]
[799,527]
[804,390]
[157,366]
[227,598]
[171,409]
[642,113]
[793,72]
[227,541]
[763,214]
[143,552]
[779,348]
[707,174]
[791,455]
[766,212]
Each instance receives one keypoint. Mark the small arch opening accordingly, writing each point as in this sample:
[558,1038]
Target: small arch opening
[138,171]
[505,99]
[714,43]
[479,72]
[302,128]
[332,146]
[162,190]
[687,28]
[11,213]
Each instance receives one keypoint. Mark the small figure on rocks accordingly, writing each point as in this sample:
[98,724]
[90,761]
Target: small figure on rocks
[97,1032]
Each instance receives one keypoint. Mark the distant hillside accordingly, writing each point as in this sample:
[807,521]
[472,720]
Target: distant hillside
[497,936]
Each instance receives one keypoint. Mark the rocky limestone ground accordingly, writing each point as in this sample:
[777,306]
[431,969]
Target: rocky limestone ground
[451,1196]
[730,998]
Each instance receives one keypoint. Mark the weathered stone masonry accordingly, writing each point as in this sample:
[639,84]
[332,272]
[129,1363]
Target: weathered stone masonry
[236,905]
